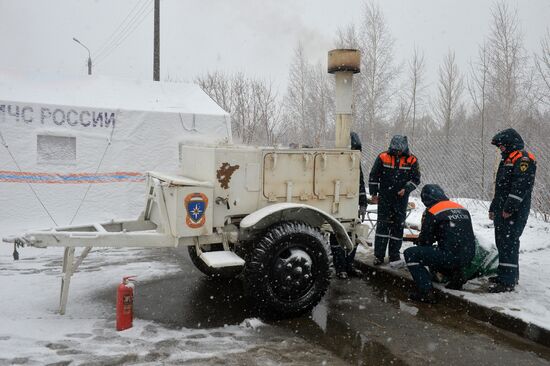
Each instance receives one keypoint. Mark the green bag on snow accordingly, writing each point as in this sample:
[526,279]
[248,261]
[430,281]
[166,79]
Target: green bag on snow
[485,263]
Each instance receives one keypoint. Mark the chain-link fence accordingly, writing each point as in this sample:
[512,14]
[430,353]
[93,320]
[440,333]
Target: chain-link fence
[465,166]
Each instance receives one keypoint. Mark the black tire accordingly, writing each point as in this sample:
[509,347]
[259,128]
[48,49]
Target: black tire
[219,273]
[288,271]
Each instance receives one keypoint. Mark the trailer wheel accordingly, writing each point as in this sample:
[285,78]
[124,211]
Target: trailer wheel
[288,271]
[220,273]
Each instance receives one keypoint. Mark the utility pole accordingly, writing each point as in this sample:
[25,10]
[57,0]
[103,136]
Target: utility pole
[89,55]
[156,42]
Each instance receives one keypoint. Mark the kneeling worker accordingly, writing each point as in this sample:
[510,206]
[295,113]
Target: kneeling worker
[450,225]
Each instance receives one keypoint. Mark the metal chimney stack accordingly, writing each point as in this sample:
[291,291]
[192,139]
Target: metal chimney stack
[343,63]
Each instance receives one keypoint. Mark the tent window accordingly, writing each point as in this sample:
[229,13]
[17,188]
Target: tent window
[56,149]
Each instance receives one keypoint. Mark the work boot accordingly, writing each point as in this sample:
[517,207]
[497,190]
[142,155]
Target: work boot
[425,297]
[500,287]
[342,275]
[377,261]
[398,263]
[437,277]
[496,279]
[354,272]
[455,285]
[456,282]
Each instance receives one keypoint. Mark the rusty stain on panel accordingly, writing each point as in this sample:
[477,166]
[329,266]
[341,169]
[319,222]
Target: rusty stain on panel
[224,174]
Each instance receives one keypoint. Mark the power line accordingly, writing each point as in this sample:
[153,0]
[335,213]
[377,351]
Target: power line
[126,36]
[128,27]
[136,22]
[109,40]
[115,46]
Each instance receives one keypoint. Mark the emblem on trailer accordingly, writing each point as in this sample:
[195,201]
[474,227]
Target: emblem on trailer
[195,205]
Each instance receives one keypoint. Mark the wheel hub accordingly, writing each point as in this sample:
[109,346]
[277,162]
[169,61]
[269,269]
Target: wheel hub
[293,274]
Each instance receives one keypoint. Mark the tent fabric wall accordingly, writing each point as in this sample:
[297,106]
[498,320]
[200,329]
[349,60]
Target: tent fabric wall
[77,149]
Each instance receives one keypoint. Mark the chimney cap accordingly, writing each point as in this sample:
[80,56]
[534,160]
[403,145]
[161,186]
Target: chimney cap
[344,59]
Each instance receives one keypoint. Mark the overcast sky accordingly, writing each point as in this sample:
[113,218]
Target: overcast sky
[253,36]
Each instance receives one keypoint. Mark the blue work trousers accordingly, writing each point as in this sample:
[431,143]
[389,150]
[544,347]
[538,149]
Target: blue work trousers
[417,258]
[389,227]
[507,234]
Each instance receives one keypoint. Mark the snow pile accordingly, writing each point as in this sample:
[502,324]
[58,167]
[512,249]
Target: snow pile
[531,299]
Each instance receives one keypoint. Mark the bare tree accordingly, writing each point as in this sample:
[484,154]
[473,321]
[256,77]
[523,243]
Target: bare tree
[506,65]
[254,105]
[542,63]
[378,68]
[417,69]
[218,86]
[320,106]
[308,102]
[401,114]
[296,97]
[477,88]
[242,121]
[267,112]
[449,91]
[347,37]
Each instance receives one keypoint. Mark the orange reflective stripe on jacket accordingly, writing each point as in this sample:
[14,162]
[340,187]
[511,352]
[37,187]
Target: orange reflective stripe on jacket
[443,206]
[386,159]
[515,155]
[389,160]
[407,162]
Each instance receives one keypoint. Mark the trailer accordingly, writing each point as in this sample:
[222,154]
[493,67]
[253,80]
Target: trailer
[265,213]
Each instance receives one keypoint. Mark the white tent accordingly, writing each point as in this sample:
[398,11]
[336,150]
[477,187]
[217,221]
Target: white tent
[75,150]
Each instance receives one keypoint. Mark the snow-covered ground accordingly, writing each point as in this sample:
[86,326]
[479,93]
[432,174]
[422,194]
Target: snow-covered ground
[32,333]
[531,299]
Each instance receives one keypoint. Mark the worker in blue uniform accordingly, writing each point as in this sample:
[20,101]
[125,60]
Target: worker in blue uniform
[449,225]
[394,175]
[510,206]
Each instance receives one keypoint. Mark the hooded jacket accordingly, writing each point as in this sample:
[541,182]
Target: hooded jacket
[447,223]
[394,169]
[515,176]
[510,139]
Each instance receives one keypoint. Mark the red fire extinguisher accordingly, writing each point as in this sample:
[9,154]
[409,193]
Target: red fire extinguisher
[125,303]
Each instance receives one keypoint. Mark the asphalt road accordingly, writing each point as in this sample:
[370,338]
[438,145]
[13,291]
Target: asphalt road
[359,322]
